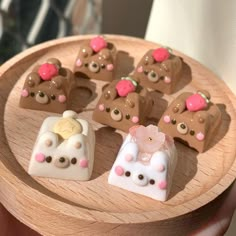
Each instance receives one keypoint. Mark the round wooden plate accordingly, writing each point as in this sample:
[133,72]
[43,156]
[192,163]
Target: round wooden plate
[57,207]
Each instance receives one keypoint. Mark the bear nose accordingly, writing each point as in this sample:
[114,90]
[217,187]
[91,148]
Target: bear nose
[41,97]
[139,178]
[62,162]
[62,159]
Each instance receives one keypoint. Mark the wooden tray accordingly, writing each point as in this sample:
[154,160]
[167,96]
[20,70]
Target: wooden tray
[56,207]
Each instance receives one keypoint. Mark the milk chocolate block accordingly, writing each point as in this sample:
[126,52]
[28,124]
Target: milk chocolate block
[123,104]
[64,148]
[193,119]
[96,59]
[145,163]
[159,70]
[48,87]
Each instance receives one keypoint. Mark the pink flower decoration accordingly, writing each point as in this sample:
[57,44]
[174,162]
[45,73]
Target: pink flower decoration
[149,139]
[98,43]
[160,54]
[124,87]
[46,71]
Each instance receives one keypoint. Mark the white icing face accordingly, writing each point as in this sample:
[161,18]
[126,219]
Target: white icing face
[70,158]
[149,174]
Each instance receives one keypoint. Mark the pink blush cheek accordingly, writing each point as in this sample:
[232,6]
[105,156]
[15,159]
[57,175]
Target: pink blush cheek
[24,93]
[83,163]
[40,157]
[200,136]
[101,107]
[140,69]
[162,184]
[79,63]
[110,67]
[62,98]
[135,119]
[167,80]
[166,119]
[119,170]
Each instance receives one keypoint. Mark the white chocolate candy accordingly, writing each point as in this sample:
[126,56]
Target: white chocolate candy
[70,157]
[142,171]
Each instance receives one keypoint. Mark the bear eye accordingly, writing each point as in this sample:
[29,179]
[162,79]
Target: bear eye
[173,121]
[73,160]
[127,116]
[152,181]
[32,94]
[53,97]
[94,67]
[48,159]
[182,128]
[103,66]
[145,72]
[127,173]
[192,132]
[116,114]
[107,109]
[153,76]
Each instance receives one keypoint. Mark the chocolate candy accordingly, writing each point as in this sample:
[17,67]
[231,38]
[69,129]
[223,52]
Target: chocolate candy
[48,87]
[193,119]
[159,70]
[96,59]
[121,107]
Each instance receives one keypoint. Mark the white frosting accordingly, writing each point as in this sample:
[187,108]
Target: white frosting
[160,168]
[80,146]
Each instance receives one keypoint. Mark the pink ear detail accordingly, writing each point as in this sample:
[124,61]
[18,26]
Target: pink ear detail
[140,69]
[129,157]
[79,63]
[101,107]
[83,163]
[160,168]
[62,98]
[200,136]
[167,80]
[135,119]
[166,119]
[162,184]
[40,157]
[24,93]
[119,170]
[110,67]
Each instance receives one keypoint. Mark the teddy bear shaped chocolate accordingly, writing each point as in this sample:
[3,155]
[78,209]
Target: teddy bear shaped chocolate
[96,59]
[159,70]
[48,87]
[124,103]
[193,119]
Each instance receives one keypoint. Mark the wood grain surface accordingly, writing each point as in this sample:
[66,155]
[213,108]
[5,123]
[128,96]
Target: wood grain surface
[57,207]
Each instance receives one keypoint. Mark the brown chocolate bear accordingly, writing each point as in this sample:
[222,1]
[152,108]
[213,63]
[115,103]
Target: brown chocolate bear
[123,104]
[48,87]
[193,119]
[96,60]
[159,70]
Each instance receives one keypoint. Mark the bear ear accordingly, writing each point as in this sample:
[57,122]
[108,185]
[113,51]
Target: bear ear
[33,79]
[105,54]
[86,51]
[132,99]
[55,62]
[201,117]
[56,82]
[166,66]
[148,60]
[110,93]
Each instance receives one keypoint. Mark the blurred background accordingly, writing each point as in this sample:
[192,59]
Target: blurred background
[26,23]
